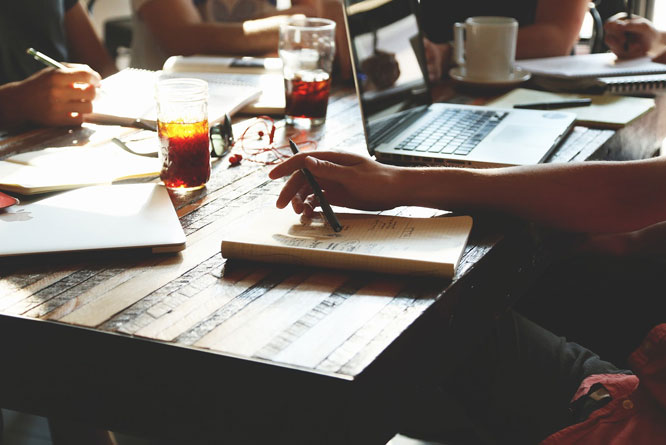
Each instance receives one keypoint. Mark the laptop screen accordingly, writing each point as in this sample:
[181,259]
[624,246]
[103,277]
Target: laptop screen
[389,66]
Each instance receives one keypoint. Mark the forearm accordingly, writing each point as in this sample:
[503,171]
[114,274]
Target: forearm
[11,111]
[602,197]
[253,37]
[84,44]
[542,41]
[555,31]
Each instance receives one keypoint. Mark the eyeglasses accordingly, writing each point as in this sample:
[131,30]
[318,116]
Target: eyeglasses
[221,140]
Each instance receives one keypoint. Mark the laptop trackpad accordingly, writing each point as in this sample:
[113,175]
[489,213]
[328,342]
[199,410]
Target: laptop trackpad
[512,133]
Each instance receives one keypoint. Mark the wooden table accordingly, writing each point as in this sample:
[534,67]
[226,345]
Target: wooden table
[189,347]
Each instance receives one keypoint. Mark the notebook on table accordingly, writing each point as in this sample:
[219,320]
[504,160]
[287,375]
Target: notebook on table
[129,95]
[93,218]
[600,73]
[262,73]
[369,242]
[401,124]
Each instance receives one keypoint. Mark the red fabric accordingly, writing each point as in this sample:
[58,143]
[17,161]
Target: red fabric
[636,414]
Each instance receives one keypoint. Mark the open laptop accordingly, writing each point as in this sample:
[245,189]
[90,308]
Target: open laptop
[401,124]
[93,218]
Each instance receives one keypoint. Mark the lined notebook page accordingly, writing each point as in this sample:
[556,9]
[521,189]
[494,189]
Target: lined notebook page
[382,243]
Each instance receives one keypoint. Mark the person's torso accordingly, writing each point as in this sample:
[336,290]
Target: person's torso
[234,10]
[35,24]
[438,16]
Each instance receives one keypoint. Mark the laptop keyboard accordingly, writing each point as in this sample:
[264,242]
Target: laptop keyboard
[453,131]
[387,129]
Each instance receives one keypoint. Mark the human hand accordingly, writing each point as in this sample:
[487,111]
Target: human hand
[437,58]
[629,38]
[347,179]
[58,97]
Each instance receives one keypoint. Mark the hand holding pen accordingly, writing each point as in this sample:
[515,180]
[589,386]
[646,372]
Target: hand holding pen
[326,208]
[57,97]
[629,35]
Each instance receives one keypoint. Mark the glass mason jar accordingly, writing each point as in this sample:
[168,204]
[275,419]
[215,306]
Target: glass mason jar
[182,124]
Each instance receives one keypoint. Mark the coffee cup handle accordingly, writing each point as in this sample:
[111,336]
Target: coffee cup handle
[459,43]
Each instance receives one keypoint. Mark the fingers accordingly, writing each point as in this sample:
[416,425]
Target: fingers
[297,162]
[661,58]
[290,190]
[324,169]
[76,76]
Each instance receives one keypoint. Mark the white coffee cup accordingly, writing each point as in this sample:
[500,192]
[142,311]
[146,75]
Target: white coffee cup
[485,47]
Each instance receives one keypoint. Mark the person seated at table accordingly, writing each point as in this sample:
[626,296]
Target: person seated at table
[522,387]
[32,94]
[635,37]
[162,28]
[546,27]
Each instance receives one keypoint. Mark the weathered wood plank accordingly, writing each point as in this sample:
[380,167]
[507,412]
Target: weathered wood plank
[325,334]
[13,290]
[184,316]
[396,316]
[291,304]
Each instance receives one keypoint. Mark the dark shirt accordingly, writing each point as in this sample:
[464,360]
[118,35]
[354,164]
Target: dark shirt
[31,23]
[438,16]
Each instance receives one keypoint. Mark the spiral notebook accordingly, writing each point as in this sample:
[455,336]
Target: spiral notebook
[130,95]
[596,73]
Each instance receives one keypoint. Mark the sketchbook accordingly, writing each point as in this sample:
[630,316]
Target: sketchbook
[371,242]
[606,110]
[602,73]
[129,95]
[63,168]
[262,73]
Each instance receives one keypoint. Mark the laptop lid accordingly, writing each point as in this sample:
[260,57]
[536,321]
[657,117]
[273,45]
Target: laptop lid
[93,218]
[388,60]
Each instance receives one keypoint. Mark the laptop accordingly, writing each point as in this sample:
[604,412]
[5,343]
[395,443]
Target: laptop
[93,218]
[403,126]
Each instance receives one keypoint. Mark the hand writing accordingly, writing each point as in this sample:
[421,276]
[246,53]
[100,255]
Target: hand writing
[348,180]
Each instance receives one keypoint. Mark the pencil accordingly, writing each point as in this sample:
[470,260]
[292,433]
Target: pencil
[325,207]
[46,60]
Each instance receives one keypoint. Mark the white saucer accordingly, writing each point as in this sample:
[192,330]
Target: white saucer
[518,76]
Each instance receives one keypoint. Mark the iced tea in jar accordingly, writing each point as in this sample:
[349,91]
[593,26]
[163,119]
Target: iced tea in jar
[182,125]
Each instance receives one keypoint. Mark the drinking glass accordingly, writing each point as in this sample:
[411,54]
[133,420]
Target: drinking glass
[182,124]
[307,49]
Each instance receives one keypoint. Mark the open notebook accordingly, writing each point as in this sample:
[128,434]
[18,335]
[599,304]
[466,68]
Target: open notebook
[378,243]
[262,73]
[606,110]
[62,168]
[130,95]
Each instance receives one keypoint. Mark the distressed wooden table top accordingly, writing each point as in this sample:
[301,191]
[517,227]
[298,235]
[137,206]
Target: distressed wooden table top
[320,320]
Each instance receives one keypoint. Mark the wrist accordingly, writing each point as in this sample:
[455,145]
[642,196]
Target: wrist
[12,113]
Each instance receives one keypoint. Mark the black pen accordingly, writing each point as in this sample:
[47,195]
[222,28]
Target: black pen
[556,104]
[630,7]
[326,208]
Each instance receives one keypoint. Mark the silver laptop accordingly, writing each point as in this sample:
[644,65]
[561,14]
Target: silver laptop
[401,124]
[93,218]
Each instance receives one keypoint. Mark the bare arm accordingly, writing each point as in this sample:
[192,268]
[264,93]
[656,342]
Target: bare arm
[179,29]
[593,197]
[84,44]
[555,29]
